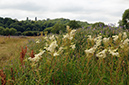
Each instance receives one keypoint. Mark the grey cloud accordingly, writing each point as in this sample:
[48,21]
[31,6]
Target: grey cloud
[28,6]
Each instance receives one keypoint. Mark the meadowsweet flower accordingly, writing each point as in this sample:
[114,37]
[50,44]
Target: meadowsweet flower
[37,41]
[73,46]
[98,40]
[70,35]
[90,38]
[55,54]
[60,50]
[114,53]
[125,43]
[52,37]
[52,46]
[91,50]
[115,37]
[66,36]
[124,35]
[102,54]
[37,57]
[106,40]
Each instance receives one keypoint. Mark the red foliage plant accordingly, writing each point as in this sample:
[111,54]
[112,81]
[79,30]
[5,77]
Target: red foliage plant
[22,54]
[32,54]
[3,77]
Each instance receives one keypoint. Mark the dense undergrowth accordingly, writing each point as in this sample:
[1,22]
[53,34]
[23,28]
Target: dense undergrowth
[92,56]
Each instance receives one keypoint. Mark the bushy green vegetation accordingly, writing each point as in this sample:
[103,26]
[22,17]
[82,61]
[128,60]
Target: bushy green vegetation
[79,57]
[52,25]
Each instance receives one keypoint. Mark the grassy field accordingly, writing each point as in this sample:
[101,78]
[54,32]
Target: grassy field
[10,48]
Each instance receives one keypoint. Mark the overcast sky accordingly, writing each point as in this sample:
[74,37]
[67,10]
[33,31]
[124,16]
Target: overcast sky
[107,11]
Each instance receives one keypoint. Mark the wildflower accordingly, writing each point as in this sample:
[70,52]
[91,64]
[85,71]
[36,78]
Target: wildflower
[115,37]
[98,40]
[66,36]
[70,35]
[3,77]
[52,37]
[60,50]
[52,46]
[55,54]
[91,50]
[37,41]
[90,38]
[124,35]
[36,57]
[102,54]
[106,40]
[73,46]
[114,53]
[125,43]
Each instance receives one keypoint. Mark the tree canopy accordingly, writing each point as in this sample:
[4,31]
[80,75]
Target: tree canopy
[125,19]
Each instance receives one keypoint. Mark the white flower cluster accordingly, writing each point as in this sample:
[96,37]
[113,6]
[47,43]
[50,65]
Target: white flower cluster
[52,46]
[113,52]
[37,57]
[70,35]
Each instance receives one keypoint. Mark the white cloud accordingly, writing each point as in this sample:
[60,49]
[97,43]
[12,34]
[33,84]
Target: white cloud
[108,11]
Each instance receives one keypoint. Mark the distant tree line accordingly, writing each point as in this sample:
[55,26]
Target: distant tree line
[10,26]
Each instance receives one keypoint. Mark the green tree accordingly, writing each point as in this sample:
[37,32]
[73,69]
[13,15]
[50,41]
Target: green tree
[98,24]
[125,19]
[57,28]
[120,22]
[1,30]
[12,31]
[73,24]
[6,31]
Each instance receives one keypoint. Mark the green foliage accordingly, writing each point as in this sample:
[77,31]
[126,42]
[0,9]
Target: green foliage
[31,33]
[12,31]
[6,31]
[48,29]
[98,24]
[1,30]
[40,25]
[57,28]
[74,24]
[125,19]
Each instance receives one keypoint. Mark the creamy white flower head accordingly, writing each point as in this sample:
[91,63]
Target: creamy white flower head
[55,54]
[37,41]
[98,38]
[114,53]
[52,37]
[72,32]
[60,50]
[70,35]
[90,38]
[37,57]
[102,54]
[66,36]
[125,43]
[115,37]
[98,42]
[91,50]
[106,40]
[124,35]
[52,46]
[73,46]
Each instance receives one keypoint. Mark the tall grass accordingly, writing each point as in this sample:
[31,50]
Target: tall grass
[79,57]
